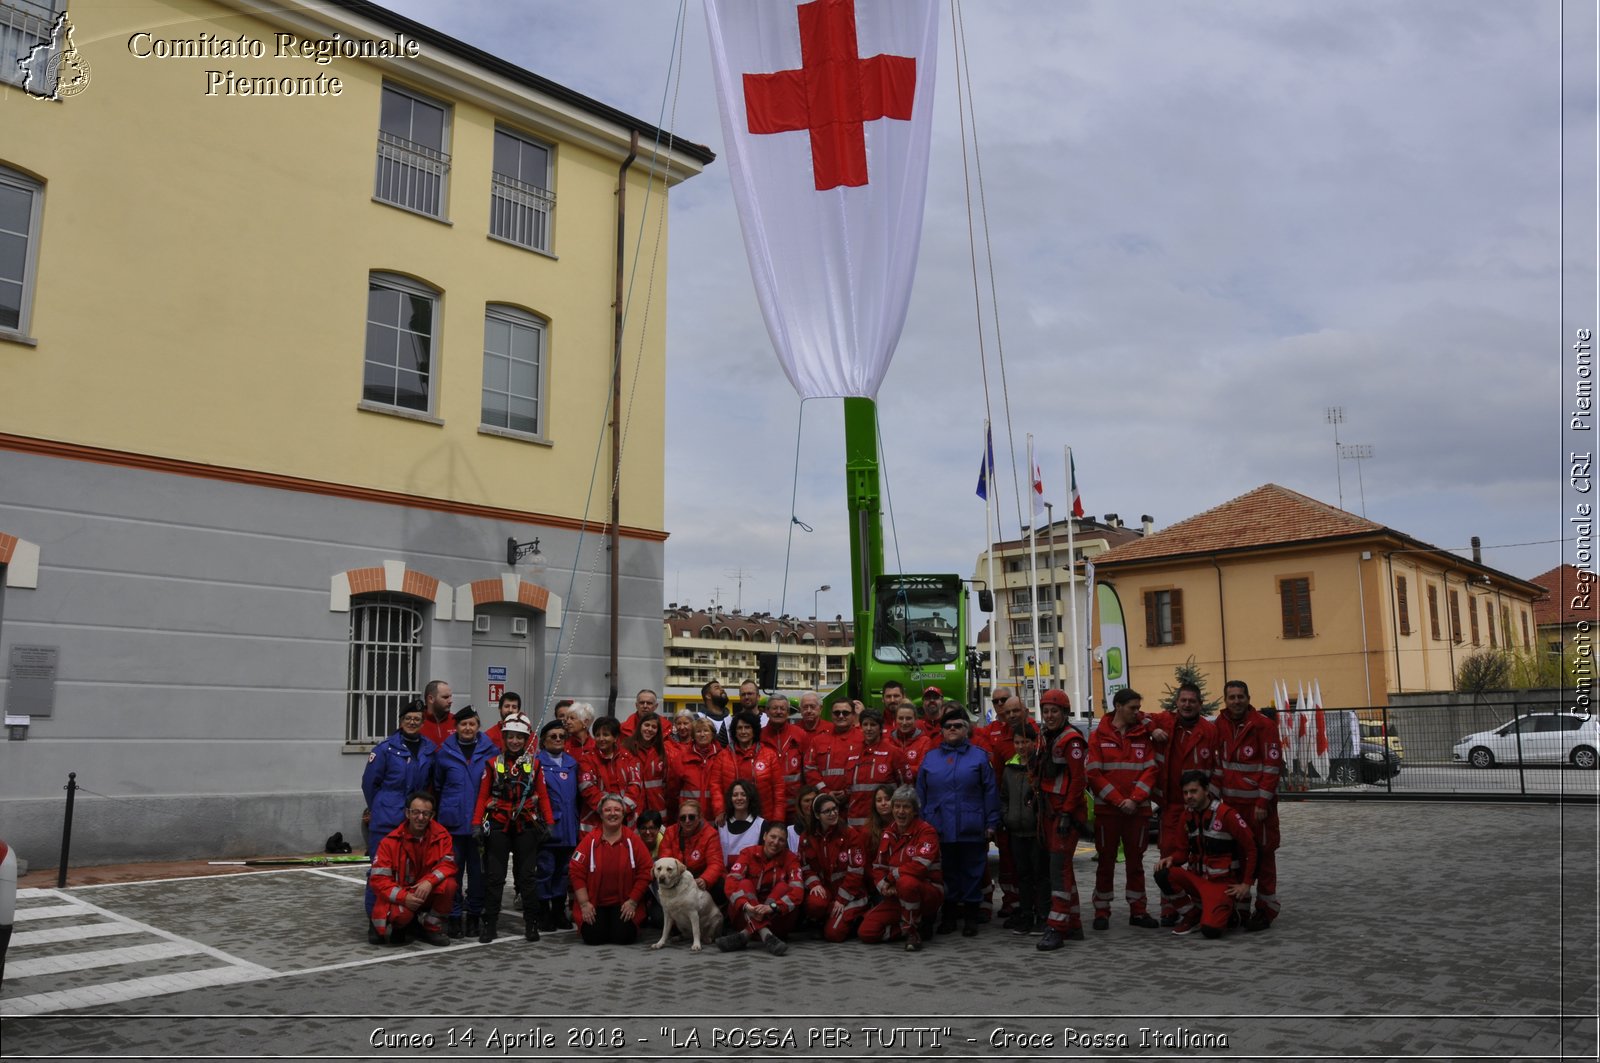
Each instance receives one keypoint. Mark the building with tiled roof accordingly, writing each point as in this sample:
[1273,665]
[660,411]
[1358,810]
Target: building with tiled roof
[1569,609]
[1277,585]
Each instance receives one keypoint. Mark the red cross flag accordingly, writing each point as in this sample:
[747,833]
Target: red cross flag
[827,116]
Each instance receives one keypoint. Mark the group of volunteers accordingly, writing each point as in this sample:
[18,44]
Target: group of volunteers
[872,823]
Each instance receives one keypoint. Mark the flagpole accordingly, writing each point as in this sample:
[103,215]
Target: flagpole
[1033,575]
[1080,650]
[1055,595]
[991,498]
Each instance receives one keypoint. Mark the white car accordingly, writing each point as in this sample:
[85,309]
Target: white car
[1537,738]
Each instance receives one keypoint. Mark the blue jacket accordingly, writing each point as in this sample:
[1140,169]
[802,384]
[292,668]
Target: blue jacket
[561,779]
[392,773]
[456,779]
[958,792]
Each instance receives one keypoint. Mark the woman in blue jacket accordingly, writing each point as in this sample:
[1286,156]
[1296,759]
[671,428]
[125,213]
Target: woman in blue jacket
[959,797]
[550,870]
[457,771]
[397,766]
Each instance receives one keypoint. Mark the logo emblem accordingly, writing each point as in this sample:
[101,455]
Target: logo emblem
[1248,751]
[55,69]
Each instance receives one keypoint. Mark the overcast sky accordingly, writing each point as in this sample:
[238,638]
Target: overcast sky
[1210,221]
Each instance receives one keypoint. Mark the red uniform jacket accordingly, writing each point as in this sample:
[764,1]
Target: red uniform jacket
[1192,748]
[1122,764]
[761,765]
[652,777]
[701,852]
[908,856]
[873,766]
[754,879]
[789,742]
[911,752]
[829,755]
[836,861]
[612,872]
[1252,759]
[402,862]
[1221,846]
[513,794]
[1061,785]
[599,775]
[700,773]
[997,739]
[437,732]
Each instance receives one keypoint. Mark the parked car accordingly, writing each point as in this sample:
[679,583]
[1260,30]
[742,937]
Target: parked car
[8,901]
[1375,764]
[1537,738]
[1384,735]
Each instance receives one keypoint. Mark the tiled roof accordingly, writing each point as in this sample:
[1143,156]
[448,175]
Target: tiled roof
[1268,516]
[1563,584]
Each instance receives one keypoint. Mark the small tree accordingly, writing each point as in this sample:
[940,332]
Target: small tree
[1484,671]
[1189,672]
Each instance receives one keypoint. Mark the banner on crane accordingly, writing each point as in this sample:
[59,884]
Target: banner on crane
[827,116]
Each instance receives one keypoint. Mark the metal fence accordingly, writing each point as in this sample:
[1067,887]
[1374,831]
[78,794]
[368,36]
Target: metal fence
[1460,748]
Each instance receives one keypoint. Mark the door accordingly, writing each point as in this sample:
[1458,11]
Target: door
[508,654]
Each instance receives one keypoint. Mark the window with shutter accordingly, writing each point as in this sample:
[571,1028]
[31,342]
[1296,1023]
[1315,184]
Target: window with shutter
[1163,618]
[1472,615]
[1294,596]
[1433,612]
[1455,616]
[1403,605]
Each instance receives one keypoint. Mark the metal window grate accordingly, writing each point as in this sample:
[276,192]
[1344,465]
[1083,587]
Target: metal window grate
[385,648]
[411,175]
[520,212]
[24,25]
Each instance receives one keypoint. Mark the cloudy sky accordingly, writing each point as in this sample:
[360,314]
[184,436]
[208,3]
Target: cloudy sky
[1210,221]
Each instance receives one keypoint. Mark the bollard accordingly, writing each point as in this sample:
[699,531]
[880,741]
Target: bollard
[66,829]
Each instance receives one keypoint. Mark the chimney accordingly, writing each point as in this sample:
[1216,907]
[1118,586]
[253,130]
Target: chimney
[1477,550]
[1149,524]
[1113,520]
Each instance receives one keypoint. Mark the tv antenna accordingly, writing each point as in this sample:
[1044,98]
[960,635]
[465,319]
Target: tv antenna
[1358,453]
[1334,415]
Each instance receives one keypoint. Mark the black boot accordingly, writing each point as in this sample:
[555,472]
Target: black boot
[947,918]
[530,924]
[969,925]
[471,927]
[487,933]
[563,915]
[453,926]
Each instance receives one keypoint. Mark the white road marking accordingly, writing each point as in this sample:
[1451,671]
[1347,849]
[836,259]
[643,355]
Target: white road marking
[50,911]
[24,938]
[334,875]
[82,961]
[131,989]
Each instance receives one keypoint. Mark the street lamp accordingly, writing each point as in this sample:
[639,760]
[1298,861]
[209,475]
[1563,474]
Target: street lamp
[516,552]
[822,661]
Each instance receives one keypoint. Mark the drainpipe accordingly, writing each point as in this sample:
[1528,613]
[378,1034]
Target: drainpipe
[1394,623]
[1222,618]
[616,422]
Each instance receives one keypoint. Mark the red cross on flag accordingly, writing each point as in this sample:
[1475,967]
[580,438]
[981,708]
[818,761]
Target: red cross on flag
[827,112]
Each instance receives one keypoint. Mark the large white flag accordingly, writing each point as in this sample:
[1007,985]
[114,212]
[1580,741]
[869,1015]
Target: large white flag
[827,113]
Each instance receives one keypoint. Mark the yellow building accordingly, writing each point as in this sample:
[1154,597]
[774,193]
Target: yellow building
[305,310]
[1275,585]
[702,645]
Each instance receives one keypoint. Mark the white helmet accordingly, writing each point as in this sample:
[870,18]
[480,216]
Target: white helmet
[516,724]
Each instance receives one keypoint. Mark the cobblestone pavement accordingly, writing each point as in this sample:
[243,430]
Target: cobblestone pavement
[1409,930]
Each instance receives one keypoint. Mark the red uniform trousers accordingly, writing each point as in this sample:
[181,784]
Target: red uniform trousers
[835,927]
[779,922]
[1173,841]
[1064,913]
[895,917]
[1266,837]
[1210,894]
[389,916]
[1111,826]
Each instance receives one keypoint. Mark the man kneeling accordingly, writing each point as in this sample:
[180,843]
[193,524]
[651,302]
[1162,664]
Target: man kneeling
[413,876]
[1216,868]
[764,893]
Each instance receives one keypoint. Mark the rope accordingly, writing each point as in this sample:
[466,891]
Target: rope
[794,519]
[964,77]
[888,499]
[675,80]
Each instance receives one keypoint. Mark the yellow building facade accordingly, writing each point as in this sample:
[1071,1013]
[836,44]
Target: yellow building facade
[1274,585]
[305,310]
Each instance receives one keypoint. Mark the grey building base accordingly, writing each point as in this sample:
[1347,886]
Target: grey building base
[203,662]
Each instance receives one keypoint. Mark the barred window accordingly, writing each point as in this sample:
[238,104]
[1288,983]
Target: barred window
[385,657]
[520,200]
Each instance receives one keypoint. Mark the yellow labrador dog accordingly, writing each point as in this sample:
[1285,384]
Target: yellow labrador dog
[683,904]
